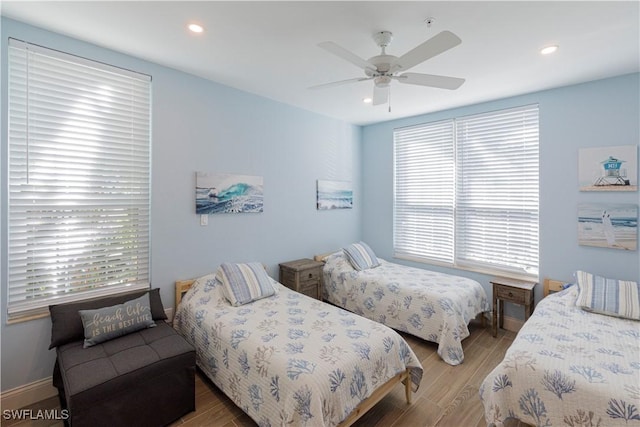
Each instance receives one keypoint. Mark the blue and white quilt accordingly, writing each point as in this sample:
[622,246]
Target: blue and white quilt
[289,359]
[568,367]
[433,306]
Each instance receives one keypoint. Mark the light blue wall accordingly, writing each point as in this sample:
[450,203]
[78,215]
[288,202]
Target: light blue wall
[203,126]
[595,114]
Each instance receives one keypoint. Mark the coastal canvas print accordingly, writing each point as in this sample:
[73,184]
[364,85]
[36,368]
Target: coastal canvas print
[608,225]
[334,195]
[226,193]
[608,168]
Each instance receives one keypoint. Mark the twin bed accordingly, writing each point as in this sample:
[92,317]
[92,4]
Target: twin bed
[568,367]
[288,359]
[434,306]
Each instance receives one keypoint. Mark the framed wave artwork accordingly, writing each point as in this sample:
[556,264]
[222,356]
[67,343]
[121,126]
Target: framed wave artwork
[227,193]
[334,195]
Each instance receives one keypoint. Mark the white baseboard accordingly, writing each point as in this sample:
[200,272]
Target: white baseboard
[512,324]
[28,394]
[169,313]
[509,323]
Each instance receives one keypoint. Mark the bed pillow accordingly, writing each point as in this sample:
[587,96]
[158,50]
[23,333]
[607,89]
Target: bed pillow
[106,323]
[619,298]
[244,282]
[361,256]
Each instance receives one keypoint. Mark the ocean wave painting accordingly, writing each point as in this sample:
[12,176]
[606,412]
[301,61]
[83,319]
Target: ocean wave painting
[608,225]
[227,193]
[334,195]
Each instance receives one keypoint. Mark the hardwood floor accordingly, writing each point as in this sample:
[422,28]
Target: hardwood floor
[447,397]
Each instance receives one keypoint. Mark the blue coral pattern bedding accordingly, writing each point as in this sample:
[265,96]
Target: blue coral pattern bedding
[289,359]
[434,306]
[568,367]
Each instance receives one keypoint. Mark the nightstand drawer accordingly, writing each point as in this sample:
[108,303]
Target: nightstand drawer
[517,296]
[309,275]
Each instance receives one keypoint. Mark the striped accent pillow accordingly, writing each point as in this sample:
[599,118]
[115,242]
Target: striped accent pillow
[620,298]
[361,256]
[245,282]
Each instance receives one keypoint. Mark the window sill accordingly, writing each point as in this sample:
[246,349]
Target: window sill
[486,271]
[26,314]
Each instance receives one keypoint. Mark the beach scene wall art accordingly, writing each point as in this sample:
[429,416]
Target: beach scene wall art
[334,195]
[608,225]
[227,193]
[608,168]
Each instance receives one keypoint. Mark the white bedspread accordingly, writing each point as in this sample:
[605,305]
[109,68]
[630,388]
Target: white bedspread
[289,359]
[568,367]
[434,306]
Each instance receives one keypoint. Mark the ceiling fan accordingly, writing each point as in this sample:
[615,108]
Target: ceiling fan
[384,68]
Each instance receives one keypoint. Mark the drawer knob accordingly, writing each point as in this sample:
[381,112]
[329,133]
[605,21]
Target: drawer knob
[510,294]
[310,275]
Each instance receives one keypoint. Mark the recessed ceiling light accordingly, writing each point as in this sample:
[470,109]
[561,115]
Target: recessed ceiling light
[367,100]
[195,28]
[549,49]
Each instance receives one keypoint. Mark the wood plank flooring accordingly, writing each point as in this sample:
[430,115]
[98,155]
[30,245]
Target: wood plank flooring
[447,397]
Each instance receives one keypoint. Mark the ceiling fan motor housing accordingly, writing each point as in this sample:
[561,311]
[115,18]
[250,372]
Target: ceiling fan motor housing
[382,64]
[382,81]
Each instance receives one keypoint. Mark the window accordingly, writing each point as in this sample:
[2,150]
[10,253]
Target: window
[466,192]
[79,179]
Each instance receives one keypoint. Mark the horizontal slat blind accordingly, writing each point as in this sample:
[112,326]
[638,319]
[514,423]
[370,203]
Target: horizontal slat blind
[79,178]
[424,192]
[497,191]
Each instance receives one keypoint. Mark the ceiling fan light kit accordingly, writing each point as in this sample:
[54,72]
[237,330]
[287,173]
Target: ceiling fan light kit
[384,68]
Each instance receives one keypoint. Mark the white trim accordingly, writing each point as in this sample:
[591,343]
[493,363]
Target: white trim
[512,324]
[28,394]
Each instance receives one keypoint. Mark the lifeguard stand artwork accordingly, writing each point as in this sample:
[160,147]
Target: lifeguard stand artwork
[613,168]
[612,173]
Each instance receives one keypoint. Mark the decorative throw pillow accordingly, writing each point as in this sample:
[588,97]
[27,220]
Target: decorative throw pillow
[106,323]
[361,256]
[66,324]
[245,282]
[620,298]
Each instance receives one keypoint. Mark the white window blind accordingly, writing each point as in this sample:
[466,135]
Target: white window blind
[424,197]
[79,179]
[497,191]
[466,192]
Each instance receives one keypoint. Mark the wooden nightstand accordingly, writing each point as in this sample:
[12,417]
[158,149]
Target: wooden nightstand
[304,276]
[514,291]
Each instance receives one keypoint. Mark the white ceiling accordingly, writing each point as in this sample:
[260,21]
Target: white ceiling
[270,48]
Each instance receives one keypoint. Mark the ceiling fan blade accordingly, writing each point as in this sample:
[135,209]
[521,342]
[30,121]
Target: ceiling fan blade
[442,82]
[434,46]
[380,95]
[347,56]
[340,83]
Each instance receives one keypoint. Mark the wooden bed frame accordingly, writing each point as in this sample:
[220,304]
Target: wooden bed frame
[551,286]
[182,286]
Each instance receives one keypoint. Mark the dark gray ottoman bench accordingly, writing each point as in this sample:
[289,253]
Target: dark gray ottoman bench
[142,378]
